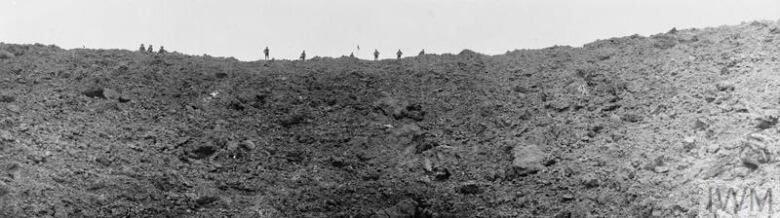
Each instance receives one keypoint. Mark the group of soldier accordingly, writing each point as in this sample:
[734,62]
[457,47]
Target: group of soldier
[150,49]
[398,54]
[266,51]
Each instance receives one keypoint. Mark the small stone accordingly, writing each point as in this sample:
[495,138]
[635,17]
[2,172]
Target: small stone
[740,172]
[232,146]
[567,197]
[407,130]
[248,145]
[24,127]
[591,183]
[470,189]
[111,94]
[406,207]
[713,148]
[5,135]
[604,197]
[4,190]
[427,164]
[441,174]
[689,140]
[103,161]
[94,93]
[750,163]
[13,108]
[527,159]
[7,99]
[725,86]
[661,169]
[6,55]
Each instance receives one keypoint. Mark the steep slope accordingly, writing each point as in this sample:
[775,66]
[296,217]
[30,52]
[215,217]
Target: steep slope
[631,126]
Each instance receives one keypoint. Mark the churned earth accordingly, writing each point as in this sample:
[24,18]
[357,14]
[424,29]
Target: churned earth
[625,127]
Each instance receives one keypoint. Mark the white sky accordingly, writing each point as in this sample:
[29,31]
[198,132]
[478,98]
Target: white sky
[242,28]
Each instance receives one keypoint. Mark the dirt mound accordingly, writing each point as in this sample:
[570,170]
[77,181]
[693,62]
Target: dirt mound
[622,127]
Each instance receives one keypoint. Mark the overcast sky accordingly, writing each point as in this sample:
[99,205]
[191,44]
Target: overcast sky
[242,28]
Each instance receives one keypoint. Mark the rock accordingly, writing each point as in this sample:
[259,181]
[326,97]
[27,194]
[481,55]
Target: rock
[427,164]
[4,189]
[6,55]
[37,158]
[123,99]
[725,86]
[563,214]
[527,159]
[766,122]
[740,172]
[689,143]
[13,108]
[631,118]
[232,146]
[591,183]
[404,208]
[470,189]
[111,94]
[440,174]
[661,169]
[398,109]
[713,148]
[567,197]
[248,145]
[713,168]
[105,161]
[412,111]
[5,135]
[410,129]
[389,106]
[750,162]
[7,99]
[294,119]
[201,152]
[94,93]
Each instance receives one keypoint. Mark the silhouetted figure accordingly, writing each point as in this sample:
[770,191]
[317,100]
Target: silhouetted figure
[266,52]
[422,53]
[398,54]
[352,55]
[142,48]
[303,55]
[376,54]
[150,49]
[161,50]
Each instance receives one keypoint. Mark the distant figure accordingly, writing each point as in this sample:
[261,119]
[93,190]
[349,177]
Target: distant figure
[303,55]
[352,55]
[376,54]
[150,49]
[398,54]
[142,48]
[265,51]
[422,53]
[162,50]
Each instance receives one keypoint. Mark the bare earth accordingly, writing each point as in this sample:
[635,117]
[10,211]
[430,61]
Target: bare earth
[625,127]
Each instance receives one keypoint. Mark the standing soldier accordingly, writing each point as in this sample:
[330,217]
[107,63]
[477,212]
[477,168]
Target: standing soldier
[265,51]
[142,49]
[150,49]
[422,53]
[162,50]
[376,54]
[352,55]
[398,54]
[303,55]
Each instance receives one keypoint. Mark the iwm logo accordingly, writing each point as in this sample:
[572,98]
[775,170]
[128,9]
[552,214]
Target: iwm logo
[745,202]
